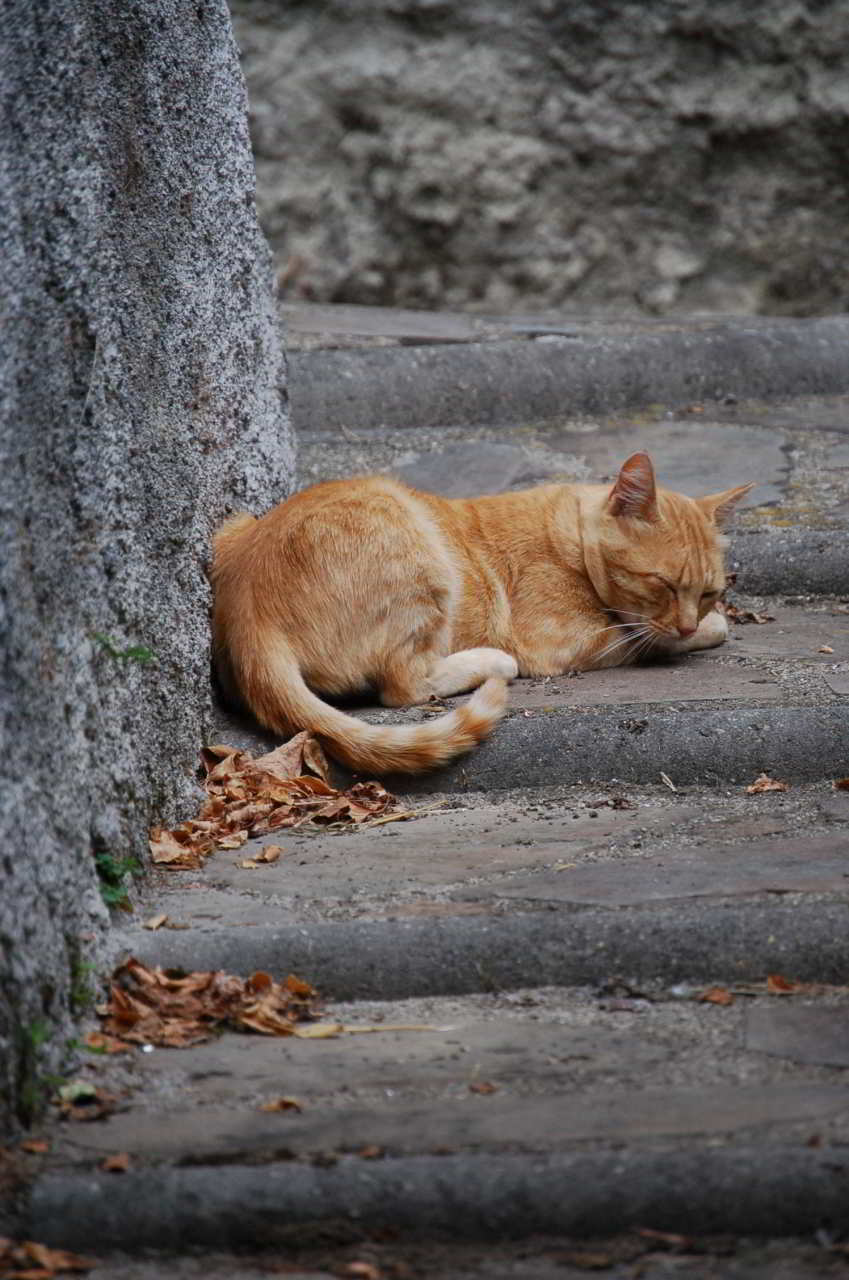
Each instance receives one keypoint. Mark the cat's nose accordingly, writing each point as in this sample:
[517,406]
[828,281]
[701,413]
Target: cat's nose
[684,632]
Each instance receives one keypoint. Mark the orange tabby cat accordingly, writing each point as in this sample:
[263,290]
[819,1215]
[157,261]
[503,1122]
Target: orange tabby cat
[366,584]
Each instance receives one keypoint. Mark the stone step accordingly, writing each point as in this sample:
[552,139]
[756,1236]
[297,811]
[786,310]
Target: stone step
[559,886]
[573,1111]
[586,369]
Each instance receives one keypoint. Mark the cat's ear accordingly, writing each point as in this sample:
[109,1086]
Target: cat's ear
[719,506]
[634,493]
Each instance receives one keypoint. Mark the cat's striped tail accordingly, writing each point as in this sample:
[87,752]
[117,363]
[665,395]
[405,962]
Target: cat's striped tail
[271,683]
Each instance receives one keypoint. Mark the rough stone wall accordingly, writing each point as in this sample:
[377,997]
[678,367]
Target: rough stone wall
[142,389]
[676,154]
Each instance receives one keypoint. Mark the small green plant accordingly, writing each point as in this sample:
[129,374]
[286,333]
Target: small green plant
[31,1083]
[112,873]
[81,995]
[135,652]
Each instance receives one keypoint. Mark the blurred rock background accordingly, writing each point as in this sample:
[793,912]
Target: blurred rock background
[677,155]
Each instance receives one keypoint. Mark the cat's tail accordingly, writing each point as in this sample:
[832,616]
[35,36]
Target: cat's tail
[272,685]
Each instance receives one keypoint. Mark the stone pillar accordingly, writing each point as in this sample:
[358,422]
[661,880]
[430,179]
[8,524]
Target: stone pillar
[142,394]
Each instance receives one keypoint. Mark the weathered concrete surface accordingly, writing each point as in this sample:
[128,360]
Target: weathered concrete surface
[503,1123]
[801,1033]
[501,383]
[461,953]
[533,154]
[463,1196]
[546,1258]
[142,392]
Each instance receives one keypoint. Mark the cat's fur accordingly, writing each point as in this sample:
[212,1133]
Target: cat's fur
[366,584]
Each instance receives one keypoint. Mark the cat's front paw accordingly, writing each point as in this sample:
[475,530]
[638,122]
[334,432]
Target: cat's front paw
[711,631]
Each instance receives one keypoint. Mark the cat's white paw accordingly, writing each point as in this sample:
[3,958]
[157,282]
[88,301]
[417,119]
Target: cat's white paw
[502,664]
[468,668]
[711,631]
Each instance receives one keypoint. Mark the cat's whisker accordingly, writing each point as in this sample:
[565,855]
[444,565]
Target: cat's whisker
[616,643]
[634,633]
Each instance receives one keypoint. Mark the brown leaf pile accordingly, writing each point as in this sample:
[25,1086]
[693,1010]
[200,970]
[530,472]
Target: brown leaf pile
[154,1006]
[735,614]
[253,797]
[28,1260]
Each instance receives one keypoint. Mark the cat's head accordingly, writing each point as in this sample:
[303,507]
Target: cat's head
[662,552]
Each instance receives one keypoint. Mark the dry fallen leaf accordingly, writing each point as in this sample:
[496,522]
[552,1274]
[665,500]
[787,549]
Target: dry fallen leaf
[119,1163]
[249,864]
[778,986]
[741,616]
[80,1100]
[717,995]
[28,1260]
[100,1043]
[282,1104]
[269,853]
[763,782]
[361,1271]
[825,648]
[668,1238]
[35,1146]
[841,784]
[155,922]
[483,1086]
[233,842]
[249,796]
[370,1152]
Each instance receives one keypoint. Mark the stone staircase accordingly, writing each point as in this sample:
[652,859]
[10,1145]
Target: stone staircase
[620,982]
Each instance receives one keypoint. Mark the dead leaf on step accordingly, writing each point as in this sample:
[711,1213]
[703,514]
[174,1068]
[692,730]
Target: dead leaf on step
[99,1043]
[741,616]
[249,796]
[81,1100]
[233,842]
[763,782]
[35,1146]
[825,648]
[483,1086]
[269,853]
[155,922]
[841,784]
[282,1104]
[778,986]
[28,1260]
[119,1163]
[668,1238]
[361,1271]
[717,995]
